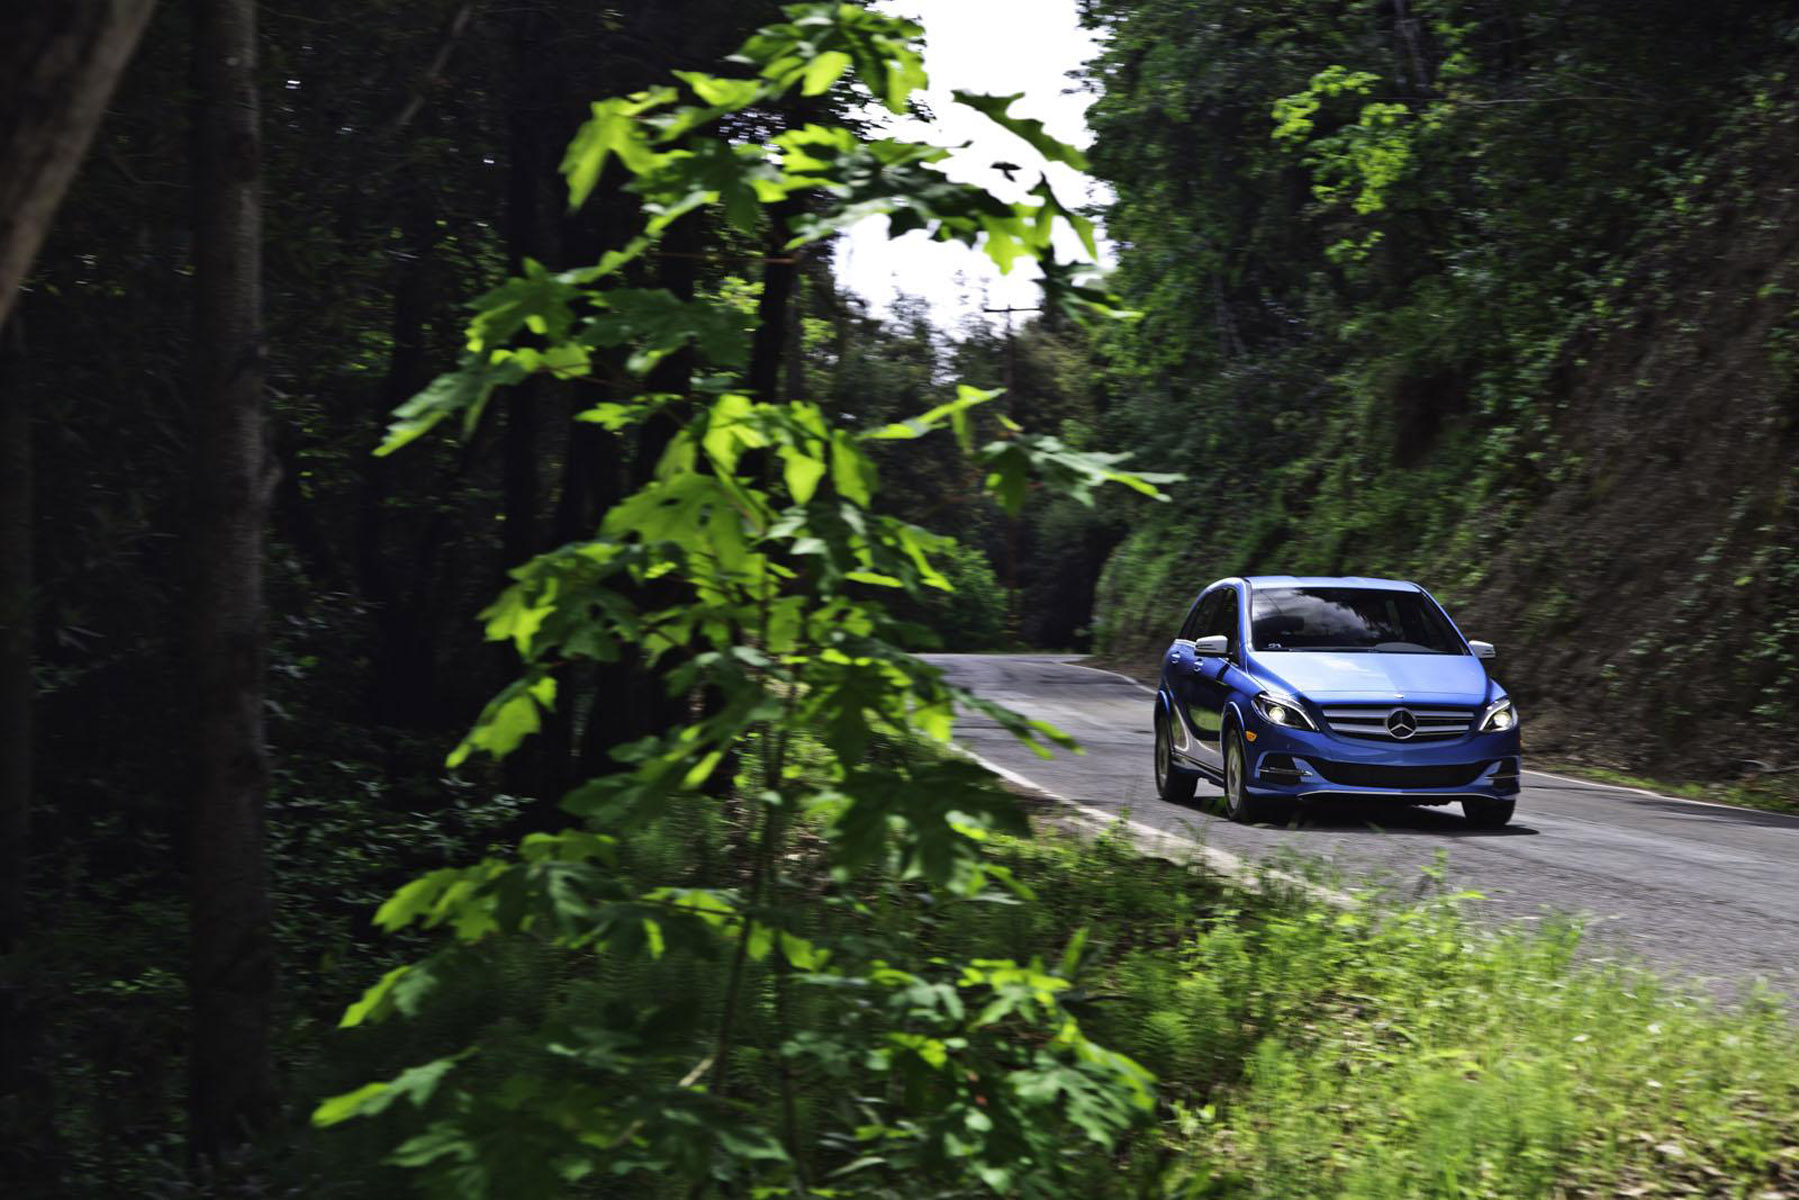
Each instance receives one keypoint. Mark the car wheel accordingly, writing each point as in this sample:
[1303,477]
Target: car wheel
[1488,814]
[1239,805]
[1172,784]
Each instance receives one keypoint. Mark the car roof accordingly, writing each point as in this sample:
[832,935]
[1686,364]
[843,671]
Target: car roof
[1353,581]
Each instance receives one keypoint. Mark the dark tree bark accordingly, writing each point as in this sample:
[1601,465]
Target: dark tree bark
[525,171]
[232,968]
[532,769]
[15,637]
[59,62]
[796,344]
[30,1152]
[628,700]
[772,314]
[402,687]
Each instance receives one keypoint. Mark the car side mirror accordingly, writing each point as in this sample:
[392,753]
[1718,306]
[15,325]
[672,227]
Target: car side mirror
[1215,646]
[1482,649]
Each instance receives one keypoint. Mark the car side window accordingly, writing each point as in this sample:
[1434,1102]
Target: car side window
[1199,623]
[1196,618]
[1224,619]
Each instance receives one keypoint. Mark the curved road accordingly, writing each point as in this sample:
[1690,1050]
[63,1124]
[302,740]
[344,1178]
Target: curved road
[1709,890]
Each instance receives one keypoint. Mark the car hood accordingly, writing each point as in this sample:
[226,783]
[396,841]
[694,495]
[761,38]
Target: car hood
[1320,675]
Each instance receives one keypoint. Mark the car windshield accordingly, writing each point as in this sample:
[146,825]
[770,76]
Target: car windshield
[1362,620]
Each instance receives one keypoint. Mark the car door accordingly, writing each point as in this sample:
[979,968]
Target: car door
[1187,682]
[1208,688]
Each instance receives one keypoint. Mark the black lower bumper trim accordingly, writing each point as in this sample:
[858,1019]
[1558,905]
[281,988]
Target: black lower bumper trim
[1401,778]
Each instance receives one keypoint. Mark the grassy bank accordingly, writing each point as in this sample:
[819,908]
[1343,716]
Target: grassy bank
[1405,1049]
[1771,792]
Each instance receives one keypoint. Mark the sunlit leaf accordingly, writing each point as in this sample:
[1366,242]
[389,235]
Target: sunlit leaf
[508,719]
[995,108]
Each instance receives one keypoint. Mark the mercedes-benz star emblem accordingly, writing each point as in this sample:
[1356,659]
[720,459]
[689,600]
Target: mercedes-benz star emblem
[1401,724]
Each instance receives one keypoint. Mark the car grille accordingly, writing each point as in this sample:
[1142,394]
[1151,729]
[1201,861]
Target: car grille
[1377,775]
[1372,722]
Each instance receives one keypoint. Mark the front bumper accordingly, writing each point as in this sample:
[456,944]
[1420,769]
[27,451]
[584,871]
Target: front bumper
[1297,763]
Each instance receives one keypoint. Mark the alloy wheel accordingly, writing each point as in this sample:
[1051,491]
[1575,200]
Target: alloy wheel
[1233,777]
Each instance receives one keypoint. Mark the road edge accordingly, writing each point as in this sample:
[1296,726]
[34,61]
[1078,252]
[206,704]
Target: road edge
[1157,843]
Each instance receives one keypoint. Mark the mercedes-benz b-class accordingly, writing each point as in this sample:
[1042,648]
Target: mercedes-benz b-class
[1281,689]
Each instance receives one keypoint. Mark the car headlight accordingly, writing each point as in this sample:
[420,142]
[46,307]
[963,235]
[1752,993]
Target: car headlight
[1499,718]
[1283,711]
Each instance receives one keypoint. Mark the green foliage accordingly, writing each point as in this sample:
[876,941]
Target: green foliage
[970,616]
[746,574]
[1422,297]
[1029,130]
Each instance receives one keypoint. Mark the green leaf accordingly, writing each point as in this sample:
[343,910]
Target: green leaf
[465,390]
[802,473]
[614,128]
[718,92]
[824,71]
[994,108]
[416,1084]
[1053,209]
[852,472]
[955,413]
[508,719]
[1014,463]
[655,323]
[379,1000]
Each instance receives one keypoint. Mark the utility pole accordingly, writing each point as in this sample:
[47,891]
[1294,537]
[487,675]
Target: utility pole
[1011,380]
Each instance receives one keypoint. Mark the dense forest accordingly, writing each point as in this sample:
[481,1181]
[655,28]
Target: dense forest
[1500,297]
[464,551]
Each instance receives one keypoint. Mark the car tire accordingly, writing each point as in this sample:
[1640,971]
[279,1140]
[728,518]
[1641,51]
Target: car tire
[1239,804]
[1172,783]
[1488,814]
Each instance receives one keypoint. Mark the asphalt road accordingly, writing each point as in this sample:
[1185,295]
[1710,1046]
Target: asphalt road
[1705,890]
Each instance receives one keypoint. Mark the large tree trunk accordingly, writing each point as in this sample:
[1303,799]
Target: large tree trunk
[59,64]
[31,1151]
[59,61]
[232,971]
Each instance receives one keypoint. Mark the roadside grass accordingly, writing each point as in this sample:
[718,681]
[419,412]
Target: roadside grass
[1770,792]
[1400,1048]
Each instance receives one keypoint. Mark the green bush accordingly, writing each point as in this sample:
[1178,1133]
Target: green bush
[972,617]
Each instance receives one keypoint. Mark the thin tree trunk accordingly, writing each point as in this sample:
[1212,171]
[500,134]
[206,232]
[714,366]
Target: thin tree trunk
[59,63]
[401,688]
[524,239]
[796,344]
[15,637]
[773,310]
[630,701]
[232,968]
[528,770]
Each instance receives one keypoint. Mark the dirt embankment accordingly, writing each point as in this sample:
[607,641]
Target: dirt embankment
[1649,602]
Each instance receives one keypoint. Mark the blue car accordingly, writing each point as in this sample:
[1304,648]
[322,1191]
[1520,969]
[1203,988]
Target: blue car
[1281,689]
